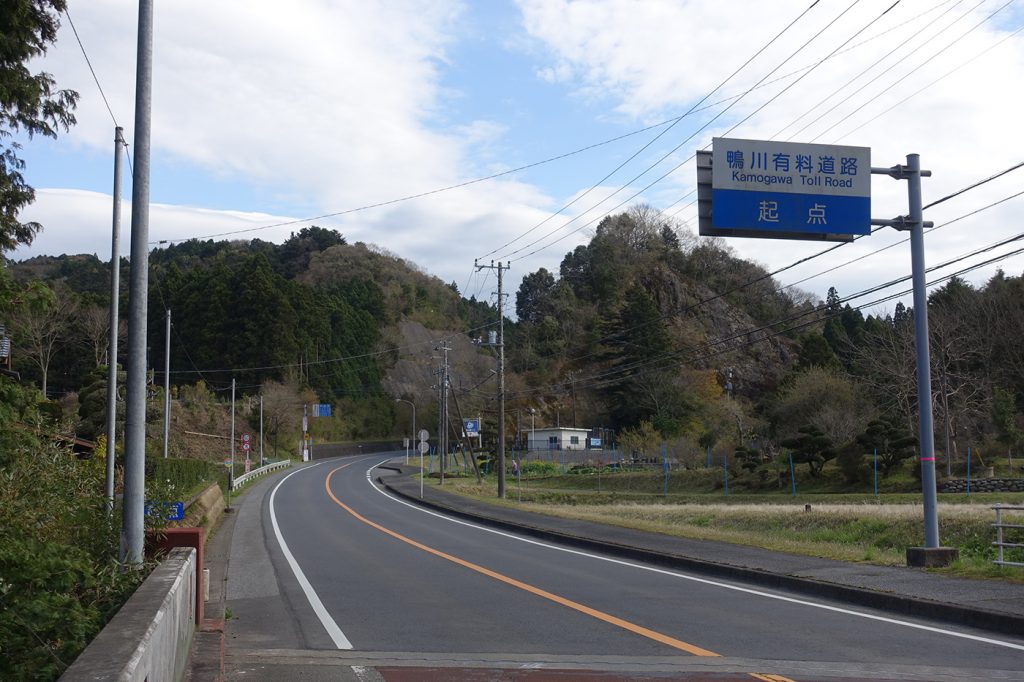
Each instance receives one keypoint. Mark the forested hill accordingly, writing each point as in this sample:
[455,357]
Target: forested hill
[646,329]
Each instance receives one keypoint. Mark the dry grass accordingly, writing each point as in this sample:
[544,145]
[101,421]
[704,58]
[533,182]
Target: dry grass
[871,532]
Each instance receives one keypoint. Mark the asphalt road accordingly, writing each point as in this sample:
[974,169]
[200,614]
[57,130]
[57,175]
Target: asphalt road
[331,578]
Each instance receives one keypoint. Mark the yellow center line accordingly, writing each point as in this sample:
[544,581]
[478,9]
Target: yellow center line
[600,615]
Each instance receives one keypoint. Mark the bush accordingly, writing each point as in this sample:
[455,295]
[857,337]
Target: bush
[59,581]
[182,474]
[539,468]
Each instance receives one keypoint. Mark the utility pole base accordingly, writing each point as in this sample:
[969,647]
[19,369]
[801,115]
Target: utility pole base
[931,557]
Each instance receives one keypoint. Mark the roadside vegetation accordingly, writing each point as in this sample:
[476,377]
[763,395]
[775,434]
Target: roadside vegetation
[850,526]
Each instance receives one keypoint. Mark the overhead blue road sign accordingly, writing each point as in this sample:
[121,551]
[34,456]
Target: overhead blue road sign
[321,410]
[785,190]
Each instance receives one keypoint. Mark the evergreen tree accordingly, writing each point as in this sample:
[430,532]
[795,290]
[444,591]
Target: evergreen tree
[29,103]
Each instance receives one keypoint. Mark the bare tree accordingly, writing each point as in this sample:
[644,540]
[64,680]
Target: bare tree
[886,362]
[94,322]
[282,408]
[956,358]
[42,329]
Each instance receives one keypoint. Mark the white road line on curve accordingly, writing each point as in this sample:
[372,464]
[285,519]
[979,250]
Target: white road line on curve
[705,581]
[333,631]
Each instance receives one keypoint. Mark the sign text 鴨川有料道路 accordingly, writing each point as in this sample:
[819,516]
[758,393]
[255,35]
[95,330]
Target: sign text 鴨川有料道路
[787,188]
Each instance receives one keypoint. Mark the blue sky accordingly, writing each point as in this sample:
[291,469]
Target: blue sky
[263,115]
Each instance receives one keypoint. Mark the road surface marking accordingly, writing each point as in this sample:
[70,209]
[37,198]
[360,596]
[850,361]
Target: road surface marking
[704,581]
[600,615]
[333,631]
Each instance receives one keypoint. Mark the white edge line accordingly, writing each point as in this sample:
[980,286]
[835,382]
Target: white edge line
[335,633]
[705,581]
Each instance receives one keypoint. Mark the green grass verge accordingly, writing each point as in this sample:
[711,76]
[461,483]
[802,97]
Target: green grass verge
[849,526]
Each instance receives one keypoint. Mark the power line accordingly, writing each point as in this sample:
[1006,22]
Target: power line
[889,87]
[677,147]
[91,70]
[806,259]
[881,59]
[916,69]
[799,315]
[438,190]
[656,138]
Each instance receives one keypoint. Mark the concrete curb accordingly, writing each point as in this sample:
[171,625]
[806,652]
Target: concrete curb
[895,603]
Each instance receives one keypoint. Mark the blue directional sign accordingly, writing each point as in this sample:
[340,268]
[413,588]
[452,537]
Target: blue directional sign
[321,410]
[471,427]
[786,190]
[168,511]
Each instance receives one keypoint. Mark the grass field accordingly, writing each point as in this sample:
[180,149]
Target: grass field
[851,526]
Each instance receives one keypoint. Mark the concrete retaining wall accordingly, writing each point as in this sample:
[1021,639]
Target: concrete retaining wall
[149,638]
[205,508]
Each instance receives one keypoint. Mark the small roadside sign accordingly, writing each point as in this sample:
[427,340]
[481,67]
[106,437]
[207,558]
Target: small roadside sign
[424,448]
[424,435]
[168,511]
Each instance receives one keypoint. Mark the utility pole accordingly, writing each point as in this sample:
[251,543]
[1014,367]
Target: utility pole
[132,522]
[115,299]
[442,408]
[572,380]
[261,429]
[167,383]
[476,467]
[501,370]
[231,478]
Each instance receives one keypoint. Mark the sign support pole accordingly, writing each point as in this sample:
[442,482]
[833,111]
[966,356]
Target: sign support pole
[924,379]
[931,554]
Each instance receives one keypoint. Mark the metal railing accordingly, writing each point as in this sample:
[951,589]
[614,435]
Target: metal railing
[255,473]
[1001,544]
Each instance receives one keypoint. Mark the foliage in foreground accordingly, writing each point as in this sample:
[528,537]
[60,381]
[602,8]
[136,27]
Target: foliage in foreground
[59,582]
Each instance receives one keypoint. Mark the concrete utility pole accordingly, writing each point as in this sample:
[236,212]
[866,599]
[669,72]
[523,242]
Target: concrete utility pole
[442,409]
[261,429]
[167,384]
[413,439]
[133,526]
[501,370]
[115,296]
[231,478]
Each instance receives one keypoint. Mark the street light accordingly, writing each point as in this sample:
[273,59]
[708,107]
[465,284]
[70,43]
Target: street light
[413,439]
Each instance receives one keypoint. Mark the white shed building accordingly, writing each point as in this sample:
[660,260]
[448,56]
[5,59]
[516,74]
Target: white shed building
[557,438]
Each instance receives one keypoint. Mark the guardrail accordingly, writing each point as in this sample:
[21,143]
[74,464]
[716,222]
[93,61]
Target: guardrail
[1000,526]
[256,473]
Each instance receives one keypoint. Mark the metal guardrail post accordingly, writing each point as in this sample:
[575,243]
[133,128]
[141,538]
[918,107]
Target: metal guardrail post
[1000,542]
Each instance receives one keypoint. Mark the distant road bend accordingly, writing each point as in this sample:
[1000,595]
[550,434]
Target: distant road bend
[331,577]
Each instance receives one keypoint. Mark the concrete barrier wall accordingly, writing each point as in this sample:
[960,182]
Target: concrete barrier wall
[149,638]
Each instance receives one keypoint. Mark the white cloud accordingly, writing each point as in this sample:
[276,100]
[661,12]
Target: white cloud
[329,105]
[654,59]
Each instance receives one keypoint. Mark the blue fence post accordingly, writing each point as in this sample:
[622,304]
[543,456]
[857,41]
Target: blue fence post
[725,472]
[664,467]
[792,474]
[968,472]
[876,472]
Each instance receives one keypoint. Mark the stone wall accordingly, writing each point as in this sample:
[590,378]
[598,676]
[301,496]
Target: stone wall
[983,485]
